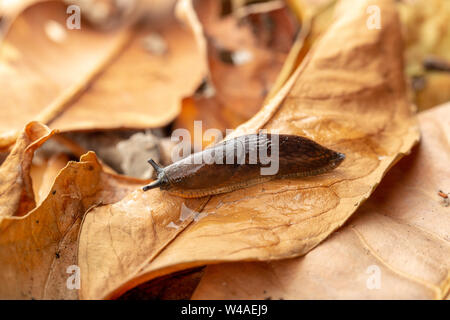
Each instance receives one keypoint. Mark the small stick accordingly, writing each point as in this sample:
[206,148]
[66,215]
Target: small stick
[433,63]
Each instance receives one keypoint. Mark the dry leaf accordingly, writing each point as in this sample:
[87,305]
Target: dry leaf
[43,173]
[39,46]
[139,227]
[348,95]
[403,231]
[246,53]
[16,190]
[38,246]
[315,18]
[9,10]
[144,86]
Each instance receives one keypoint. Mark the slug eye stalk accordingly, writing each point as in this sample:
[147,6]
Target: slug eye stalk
[155,166]
[160,180]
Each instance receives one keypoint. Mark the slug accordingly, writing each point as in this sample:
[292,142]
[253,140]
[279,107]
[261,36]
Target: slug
[242,162]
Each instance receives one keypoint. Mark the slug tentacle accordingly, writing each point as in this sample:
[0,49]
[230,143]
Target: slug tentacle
[155,166]
[242,162]
[161,178]
[153,185]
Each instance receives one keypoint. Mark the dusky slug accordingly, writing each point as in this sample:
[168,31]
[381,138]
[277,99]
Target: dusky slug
[242,162]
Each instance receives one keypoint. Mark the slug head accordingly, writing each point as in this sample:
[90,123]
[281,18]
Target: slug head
[161,178]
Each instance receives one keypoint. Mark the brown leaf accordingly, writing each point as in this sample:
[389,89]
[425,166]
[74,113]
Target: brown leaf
[242,53]
[39,46]
[16,190]
[347,95]
[152,220]
[315,17]
[9,10]
[38,246]
[144,86]
[43,174]
[403,229]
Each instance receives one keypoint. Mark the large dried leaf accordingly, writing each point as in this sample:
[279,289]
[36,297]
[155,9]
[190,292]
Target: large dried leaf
[144,86]
[16,190]
[38,246]
[403,229]
[43,65]
[348,95]
[153,219]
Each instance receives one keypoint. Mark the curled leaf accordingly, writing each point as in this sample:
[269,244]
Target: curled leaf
[43,174]
[37,247]
[16,190]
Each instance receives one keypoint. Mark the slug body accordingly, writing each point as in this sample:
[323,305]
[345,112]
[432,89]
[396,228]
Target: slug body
[244,161]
